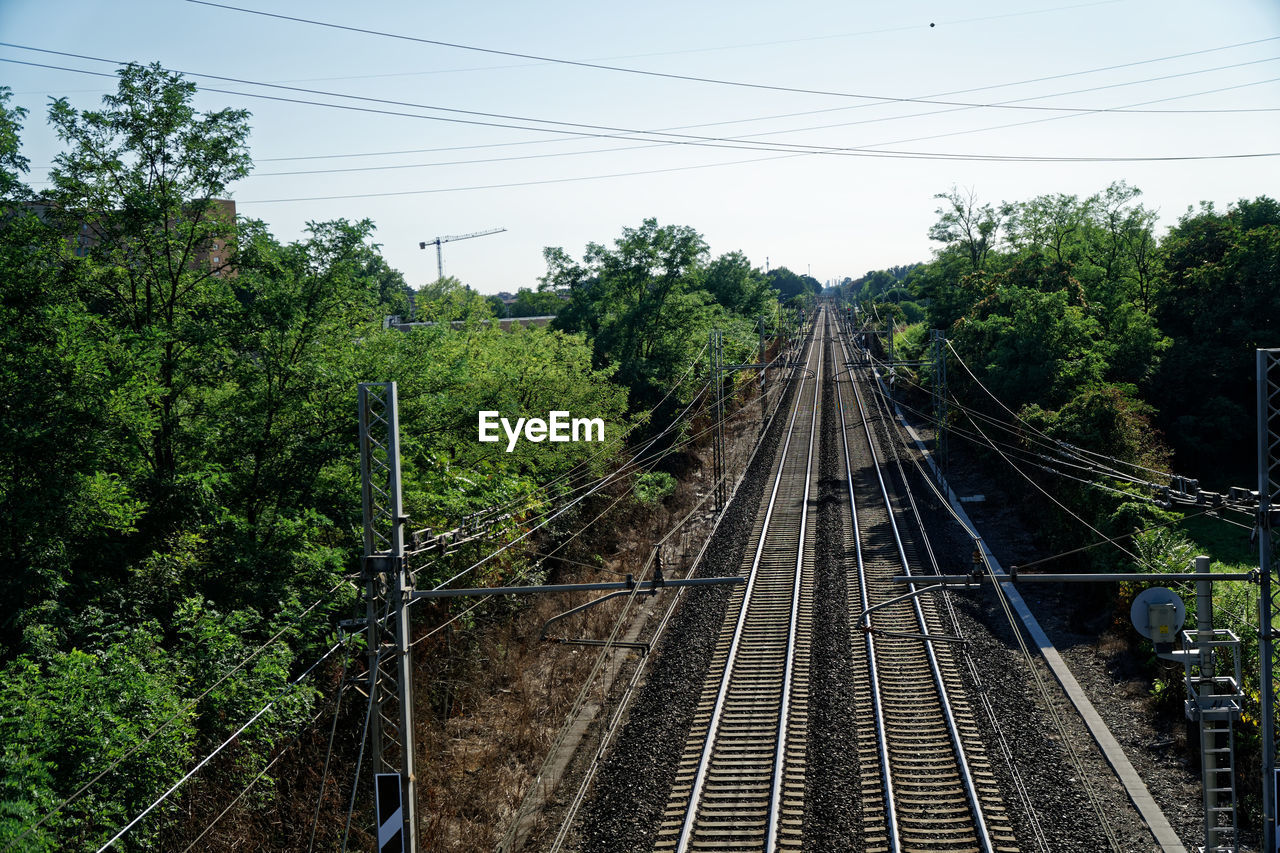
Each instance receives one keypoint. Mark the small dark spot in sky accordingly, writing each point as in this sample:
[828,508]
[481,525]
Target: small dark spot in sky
[931,23]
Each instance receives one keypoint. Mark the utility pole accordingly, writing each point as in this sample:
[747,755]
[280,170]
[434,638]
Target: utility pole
[449,239]
[388,593]
[764,372]
[1268,603]
[938,342]
[716,348]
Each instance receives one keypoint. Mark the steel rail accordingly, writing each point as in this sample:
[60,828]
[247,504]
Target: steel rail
[630,691]
[704,761]
[779,754]
[962,764]
[891,817]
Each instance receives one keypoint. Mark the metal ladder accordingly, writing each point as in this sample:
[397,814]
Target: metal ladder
[1216,702]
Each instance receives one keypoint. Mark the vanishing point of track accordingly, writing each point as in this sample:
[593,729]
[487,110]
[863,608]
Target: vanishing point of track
[741,780]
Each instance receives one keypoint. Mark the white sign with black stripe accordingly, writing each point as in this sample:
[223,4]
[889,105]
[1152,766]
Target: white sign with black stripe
[390,809]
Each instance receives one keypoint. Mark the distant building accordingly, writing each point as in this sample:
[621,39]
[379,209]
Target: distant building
[395,321]
[215,254]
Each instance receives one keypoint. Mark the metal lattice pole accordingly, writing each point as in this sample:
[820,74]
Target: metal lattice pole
[388,592]
[1268,603]
[940,412]
[718,448]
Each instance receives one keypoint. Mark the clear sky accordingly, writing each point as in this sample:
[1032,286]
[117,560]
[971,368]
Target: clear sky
[572,154]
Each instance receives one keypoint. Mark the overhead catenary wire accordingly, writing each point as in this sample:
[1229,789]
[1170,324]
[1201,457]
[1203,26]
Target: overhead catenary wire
[981,691]
[334,156]
[289,688]
[787,149]
[760,134]
[611,477]
[607,446]
[173,717]
[1213,512]
[1000,403]
[328,753]
[1065,458]
[605,131]
[625,70]
[281,753]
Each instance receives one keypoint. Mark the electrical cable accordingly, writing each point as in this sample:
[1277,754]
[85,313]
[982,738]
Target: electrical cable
[591,488]
[637,71]
[364,739]
[1212,512]
[872,146]
[758,135]
[789,149]
[557,514]
[1023,453]
[606,447]
[324,772]
[1054,500]
[527,803]
[668,137]
[741,46]
[778,387]
[684,442]
[1001,404]
[252,782]
[181,711]
[288,689]
[1034,436]
[946,597]
[784,115]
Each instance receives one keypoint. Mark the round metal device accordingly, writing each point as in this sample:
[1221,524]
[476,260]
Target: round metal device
[1161,599]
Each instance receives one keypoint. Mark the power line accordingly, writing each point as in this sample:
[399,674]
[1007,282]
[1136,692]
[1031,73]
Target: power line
[639,71]
[744,137]
[288,689]
[1219,90]
[885,119]
[718,48]
[789,149]
[786,115]
[887,155]
[180,712]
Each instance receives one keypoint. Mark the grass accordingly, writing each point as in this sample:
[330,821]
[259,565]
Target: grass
[1223,542]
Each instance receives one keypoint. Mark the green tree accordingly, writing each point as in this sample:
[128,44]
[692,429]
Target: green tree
[536,303]
[964,222]
[1028,346]
[139,178]
[738,286]
[638,302]
[1217,303]
[791,285]
[448,300]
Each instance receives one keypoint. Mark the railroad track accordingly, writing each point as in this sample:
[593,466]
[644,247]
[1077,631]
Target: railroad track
[926,782]
[740,784]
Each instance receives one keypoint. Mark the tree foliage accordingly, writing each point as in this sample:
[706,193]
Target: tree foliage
[179,478]
[647,303]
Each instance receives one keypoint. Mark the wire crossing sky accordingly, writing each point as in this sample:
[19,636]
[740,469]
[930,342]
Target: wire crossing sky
[814,138]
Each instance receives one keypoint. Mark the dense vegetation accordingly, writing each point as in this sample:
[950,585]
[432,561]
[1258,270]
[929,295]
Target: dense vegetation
[1095,331]
[179,490]
[1076,316]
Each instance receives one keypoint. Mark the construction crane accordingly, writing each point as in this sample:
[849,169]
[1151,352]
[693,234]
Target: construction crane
[438,240]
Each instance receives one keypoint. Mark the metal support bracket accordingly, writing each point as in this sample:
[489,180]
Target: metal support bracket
[631,586]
